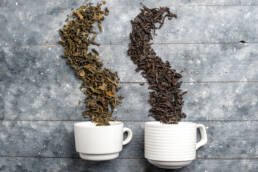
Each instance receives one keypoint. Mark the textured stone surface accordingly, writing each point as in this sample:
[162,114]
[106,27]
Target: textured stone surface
[38,85]
[30,22]
[199,62]
[55,139]
[40,97]
[39,21]
[206,101]
[136,165]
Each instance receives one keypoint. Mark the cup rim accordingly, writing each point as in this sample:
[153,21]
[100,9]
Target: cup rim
[90,124]
[159,124]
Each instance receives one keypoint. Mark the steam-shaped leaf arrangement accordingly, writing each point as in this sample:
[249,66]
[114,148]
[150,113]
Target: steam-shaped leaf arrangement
[100,85]
[166,97]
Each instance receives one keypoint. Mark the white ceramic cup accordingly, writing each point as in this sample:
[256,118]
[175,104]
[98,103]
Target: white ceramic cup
[172,145]
[100,143]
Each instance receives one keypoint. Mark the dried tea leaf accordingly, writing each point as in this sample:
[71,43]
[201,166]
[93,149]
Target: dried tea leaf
[81,73]
[103,87]
[166,97]
[98,83]
[110,94]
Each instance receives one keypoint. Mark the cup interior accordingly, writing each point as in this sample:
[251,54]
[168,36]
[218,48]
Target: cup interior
[159,124]
[89,124]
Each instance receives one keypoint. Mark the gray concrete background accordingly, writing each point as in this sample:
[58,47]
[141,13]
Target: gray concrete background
[40,97]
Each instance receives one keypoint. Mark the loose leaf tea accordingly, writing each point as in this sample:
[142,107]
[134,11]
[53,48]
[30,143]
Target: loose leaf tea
[166,97]
[100,85]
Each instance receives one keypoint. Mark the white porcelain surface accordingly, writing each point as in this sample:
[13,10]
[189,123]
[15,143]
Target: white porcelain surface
[172,145]
[170,164]
[100,142]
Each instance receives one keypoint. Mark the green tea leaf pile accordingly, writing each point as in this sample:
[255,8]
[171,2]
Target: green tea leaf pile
[100,85]
[166,97]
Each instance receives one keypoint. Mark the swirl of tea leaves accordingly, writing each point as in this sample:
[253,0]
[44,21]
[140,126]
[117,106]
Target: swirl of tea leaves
[100,85]
[166,97]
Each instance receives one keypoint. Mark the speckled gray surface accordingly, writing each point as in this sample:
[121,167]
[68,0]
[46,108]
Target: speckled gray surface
[118,165]
[40,97]
[56,140]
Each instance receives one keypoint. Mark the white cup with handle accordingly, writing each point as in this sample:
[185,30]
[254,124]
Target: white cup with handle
[172,146]
[99,143]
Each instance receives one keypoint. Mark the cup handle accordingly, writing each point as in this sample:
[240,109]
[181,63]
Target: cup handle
[129,135]
[204,139]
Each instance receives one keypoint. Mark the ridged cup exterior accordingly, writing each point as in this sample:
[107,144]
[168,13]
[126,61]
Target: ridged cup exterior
[170,142]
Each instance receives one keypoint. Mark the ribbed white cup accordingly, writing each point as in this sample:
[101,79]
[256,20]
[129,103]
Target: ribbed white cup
[172,142]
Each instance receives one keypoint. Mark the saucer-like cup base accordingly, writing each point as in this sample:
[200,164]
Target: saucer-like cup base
[170,164]
[99,157]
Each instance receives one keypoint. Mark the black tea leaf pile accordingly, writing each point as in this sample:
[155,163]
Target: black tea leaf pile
[166,97]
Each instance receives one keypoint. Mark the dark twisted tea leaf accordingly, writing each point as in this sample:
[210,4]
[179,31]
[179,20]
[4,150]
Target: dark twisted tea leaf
[166,97]
[100,85]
